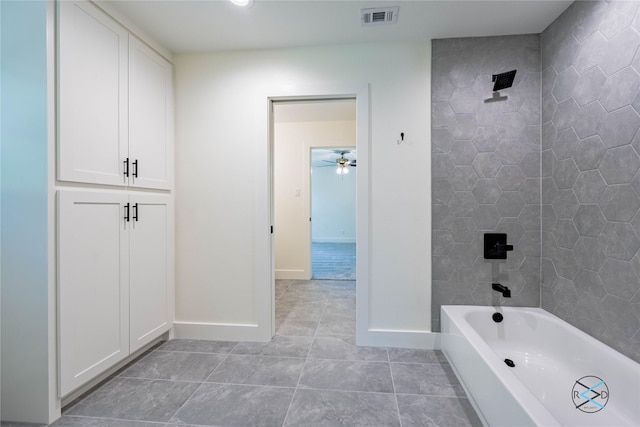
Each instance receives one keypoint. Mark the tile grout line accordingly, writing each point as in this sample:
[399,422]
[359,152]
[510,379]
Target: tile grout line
[395,393]
[200,386]
[304,365]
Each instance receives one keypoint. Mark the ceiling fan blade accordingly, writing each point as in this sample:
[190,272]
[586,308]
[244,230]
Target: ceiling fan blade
[330,161]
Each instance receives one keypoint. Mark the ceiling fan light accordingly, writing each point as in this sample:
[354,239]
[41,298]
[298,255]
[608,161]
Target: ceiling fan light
[242,3]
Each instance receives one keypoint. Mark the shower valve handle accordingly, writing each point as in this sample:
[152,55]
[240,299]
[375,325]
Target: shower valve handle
[502,248]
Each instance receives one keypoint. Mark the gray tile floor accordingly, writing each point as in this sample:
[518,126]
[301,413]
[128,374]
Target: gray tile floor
[310,374]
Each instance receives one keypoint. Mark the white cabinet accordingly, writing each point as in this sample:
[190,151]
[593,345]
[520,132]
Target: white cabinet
[150,269]
[92,95]
[115,103]
[115,274]
[115,248]
[93,279]
[150,117]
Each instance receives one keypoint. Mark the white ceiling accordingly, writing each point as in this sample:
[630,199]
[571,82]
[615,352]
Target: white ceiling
[214,25]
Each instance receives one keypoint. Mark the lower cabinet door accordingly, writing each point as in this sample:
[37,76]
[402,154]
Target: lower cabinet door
[151,268]
[93,285]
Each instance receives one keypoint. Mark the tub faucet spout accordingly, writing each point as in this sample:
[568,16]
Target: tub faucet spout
[506,292]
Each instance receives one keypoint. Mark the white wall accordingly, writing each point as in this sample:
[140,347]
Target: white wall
[333,205]
[223,185]
[291,169]
[28,349]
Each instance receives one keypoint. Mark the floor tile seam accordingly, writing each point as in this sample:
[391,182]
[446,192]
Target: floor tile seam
[348,360]
[164,379]
[226,356]
[194,352]
[293,387]
[345,360]
[284,421]
[420,363]
[184,403]
[286,415]
[384,393]
[218,365]
[315,335]
[269,356]
[433,395]
[395,394]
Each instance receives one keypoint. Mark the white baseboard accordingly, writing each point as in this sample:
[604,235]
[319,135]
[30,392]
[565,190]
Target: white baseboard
[220,332]
[334,240]
[424,340]
[293,275]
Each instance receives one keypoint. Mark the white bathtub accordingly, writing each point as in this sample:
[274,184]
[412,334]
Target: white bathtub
[550,356]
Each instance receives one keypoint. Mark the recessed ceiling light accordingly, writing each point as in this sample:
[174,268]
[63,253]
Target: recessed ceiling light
[243,3]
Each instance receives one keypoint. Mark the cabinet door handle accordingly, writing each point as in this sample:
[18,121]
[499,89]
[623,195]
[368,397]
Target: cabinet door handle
[126,212]
[135,168]
[126,168]
[135,212]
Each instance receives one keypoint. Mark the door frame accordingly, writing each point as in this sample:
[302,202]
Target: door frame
[360,93]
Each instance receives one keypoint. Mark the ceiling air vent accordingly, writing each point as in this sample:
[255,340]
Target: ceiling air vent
[379,15]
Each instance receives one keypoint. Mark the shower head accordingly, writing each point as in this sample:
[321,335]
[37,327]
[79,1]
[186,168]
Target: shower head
[503,80]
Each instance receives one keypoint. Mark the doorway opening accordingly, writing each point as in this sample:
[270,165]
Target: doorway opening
[313,162]
[301,128]
[321,95]
[333,213]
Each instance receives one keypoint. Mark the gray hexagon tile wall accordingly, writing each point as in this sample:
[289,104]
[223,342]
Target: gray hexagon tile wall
[485,169]
[559,174]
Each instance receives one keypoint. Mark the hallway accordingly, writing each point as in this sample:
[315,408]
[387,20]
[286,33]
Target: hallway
[310,374]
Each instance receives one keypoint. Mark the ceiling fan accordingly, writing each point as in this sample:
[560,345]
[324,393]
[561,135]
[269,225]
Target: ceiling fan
[341,162]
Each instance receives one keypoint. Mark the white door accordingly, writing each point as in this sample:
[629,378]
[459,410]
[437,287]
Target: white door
[92,92]
[93,283]
[150,117]
[151,268]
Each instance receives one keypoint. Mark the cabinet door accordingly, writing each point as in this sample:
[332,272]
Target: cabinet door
[93,267]
[92,95]
[151,268]
[150,117]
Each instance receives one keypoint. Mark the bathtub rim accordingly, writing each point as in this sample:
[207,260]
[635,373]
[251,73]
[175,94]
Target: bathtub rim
[527,401]
[456,315]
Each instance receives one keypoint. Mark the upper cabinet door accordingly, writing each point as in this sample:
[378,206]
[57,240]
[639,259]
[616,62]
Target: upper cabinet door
[150,117]
[92,95]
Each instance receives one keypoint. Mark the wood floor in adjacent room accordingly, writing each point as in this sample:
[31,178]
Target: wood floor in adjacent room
[333,261]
